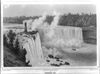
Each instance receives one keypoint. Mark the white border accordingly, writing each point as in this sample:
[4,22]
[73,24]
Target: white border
[46,2]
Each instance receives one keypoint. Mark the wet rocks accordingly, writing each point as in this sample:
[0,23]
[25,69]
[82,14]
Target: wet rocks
[66,63]
[55,61]
[50,56]
[48,60]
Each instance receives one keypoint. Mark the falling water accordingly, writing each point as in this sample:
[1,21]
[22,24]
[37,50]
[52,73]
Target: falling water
[34,50]
[71,36]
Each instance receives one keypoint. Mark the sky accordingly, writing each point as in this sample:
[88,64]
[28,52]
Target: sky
[39,9]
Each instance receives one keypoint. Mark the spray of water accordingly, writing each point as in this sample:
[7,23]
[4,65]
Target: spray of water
[38,22]
[54,23]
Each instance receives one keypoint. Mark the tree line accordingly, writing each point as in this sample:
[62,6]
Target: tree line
[18,19]
[79,20]
[83,20]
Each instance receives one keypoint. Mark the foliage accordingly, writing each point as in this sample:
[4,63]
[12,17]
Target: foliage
[11,42]
[11,36]
[5,40]
[18,20]
[13,55]
[83,20]
[49,19]
[12,60]
[17,47]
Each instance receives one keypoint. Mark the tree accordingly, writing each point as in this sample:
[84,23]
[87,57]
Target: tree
[17,47]
[5,40]
[11,36]
[49,19]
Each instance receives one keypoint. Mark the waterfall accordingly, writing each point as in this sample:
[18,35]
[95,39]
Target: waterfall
[70,36]
[69,33]
[63,36]
[38,48]
[34,50]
